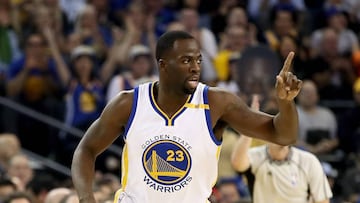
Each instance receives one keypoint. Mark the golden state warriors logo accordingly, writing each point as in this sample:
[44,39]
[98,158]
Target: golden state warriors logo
[166,162]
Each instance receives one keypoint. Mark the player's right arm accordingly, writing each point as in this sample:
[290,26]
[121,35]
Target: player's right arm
[97,138]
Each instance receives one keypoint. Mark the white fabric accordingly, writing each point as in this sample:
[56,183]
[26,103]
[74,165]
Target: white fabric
[72,8]
[290,180]
[347,39]
[321,119]
[117,83]
[172,161]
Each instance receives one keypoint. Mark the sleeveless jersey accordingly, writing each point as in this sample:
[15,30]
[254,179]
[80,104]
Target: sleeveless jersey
[168,159]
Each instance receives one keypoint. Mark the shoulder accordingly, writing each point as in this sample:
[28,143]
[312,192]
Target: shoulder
[17,64]
[257,155]
[305,155]
[218,92]
[222,97]
[118,109]
[259,150]
[224,103]
[325,111]
[122,100]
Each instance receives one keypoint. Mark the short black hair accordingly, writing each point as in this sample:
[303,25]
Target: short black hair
[40,183]
[7,182]
[18,195]
[166,41]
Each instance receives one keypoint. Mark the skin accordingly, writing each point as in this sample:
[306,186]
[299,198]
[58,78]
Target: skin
[179,74]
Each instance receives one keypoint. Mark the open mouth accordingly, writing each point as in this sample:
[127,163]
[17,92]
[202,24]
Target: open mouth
[193,81]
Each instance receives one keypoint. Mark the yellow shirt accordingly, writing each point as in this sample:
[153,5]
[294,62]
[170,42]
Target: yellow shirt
[221,63]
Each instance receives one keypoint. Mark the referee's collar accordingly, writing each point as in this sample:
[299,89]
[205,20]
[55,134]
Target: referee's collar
[287,159]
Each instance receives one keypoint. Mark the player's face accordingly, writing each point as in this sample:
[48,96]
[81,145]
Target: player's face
[184,65]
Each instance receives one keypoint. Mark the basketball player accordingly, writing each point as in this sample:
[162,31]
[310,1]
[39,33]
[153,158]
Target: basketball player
[172,129]
[280,174]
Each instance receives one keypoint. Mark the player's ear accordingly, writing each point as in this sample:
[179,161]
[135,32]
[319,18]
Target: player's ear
[162,63]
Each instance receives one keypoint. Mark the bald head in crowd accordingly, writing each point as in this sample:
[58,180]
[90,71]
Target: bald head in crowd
[9,146]
[308,96]
[57,195]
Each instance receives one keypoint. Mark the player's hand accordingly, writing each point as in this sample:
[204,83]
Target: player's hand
[287,84]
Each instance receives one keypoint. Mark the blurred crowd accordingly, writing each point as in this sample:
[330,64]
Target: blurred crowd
[66,59]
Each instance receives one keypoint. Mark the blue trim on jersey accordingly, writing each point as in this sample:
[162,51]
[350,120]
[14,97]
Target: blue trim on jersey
[208,117]
[151,86]
[133,111]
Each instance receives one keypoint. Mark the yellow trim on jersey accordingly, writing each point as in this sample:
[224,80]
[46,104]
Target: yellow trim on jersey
[125,167]
[217,158]
[218,152]
[169,120]
[117,194]
[197,106]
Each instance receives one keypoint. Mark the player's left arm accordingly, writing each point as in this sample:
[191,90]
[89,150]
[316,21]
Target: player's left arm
[281,129]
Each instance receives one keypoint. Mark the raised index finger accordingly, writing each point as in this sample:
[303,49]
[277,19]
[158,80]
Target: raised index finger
[287,63]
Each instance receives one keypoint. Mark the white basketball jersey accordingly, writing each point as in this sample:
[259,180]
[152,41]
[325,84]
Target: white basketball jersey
[168,159]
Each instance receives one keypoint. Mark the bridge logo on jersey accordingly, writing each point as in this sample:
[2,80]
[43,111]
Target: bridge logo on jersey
[166,162]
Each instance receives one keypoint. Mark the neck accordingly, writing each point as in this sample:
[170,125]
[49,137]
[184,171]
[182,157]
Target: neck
[278,152]
[169,100]
[309,109]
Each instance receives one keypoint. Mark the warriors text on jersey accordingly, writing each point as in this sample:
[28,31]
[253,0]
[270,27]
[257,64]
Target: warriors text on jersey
[168,159]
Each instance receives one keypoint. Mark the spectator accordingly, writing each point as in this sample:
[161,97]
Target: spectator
[336,20]
[140,27]
[231,82]
[190,19]
[226,171]
[350,183]
[259,10]
[7,187]
[59,15]
[106,186]
[278,173]
[289,43]
[39,187]
[317,125]
[219,20]
[92,33]
[284,21]
[20,171]
[72,9]
[140,70]
[45,17]
[332,176]
[18,197]
[162,15]
[38,82]
[84,98]
[238,17]
[349,124]
[319,67]
[232,190]
[9,146]
[56,195]
[234,43]
[70,198]
[9,43]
